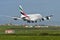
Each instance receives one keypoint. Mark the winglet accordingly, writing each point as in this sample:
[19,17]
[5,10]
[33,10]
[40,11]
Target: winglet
[51,15]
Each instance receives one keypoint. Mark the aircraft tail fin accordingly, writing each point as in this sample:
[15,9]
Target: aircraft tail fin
[21,10]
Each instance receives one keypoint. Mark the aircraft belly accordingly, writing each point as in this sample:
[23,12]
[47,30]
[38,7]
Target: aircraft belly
[34,18]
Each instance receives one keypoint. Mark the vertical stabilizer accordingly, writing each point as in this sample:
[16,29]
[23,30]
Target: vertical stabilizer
[22,12]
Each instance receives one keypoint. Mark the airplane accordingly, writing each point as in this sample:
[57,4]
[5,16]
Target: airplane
[31,18]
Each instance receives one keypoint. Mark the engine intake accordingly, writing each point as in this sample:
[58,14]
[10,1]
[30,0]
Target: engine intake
[48,18]
[15,19]
[43,19]
[24,18]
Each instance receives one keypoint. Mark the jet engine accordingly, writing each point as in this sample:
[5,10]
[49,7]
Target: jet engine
[24,18]
[48,18]
[15,18]
[43,19]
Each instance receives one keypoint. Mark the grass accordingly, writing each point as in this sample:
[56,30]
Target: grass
[14,37]
[22,33]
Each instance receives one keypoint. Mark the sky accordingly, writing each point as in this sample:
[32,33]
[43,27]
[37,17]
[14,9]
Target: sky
[43,7]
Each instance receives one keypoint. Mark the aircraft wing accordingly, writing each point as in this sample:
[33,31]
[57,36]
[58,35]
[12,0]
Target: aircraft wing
[15,18]
[47,17]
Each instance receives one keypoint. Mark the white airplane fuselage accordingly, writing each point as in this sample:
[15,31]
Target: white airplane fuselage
[32,17]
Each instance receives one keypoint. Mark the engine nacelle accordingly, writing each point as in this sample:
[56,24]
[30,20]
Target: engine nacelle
[15,19]
[48,18]
[24,18]
[43,19]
